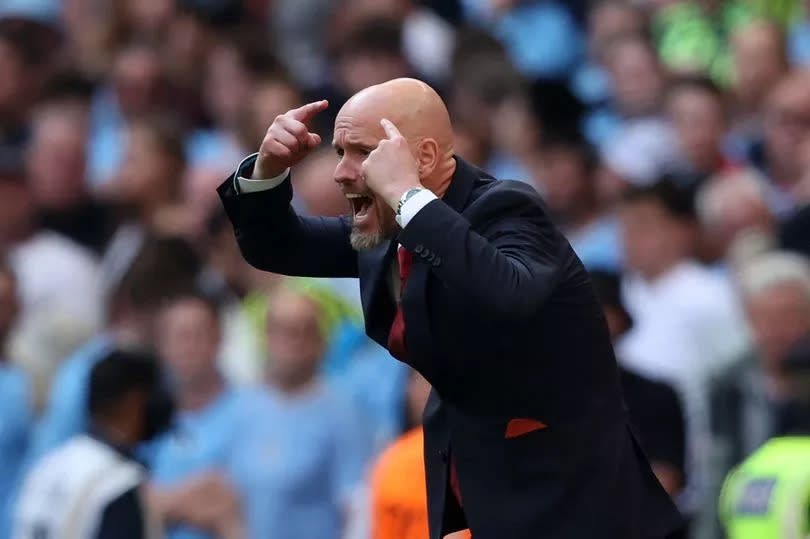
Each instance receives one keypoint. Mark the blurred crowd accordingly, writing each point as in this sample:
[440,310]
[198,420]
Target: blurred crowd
[670,140]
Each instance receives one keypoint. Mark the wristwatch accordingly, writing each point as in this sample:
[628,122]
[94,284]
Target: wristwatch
[408,194]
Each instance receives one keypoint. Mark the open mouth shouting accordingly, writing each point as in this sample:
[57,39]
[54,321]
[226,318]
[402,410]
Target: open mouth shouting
[362,207]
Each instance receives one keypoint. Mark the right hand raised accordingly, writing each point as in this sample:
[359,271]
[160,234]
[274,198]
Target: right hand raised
[287,141]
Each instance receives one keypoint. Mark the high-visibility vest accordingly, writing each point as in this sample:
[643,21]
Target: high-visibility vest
[65,494]
[768,495]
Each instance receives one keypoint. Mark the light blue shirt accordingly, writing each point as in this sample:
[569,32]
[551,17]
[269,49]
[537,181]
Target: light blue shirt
[204,440]
[15,422]
[300,465]
[599,246]
[66,409]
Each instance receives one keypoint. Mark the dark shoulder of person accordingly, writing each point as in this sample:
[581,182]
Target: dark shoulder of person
[657,416]
[123,518]
[794,234]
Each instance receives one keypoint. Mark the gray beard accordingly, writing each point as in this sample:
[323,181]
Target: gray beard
[365,242]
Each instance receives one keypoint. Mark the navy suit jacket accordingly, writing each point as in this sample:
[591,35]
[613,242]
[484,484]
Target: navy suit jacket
[502,320]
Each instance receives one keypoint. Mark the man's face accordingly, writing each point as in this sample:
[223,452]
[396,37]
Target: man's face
[758,63]
[699,124]
[636,77]
[779,317]
[787,124]
[294,340]
[188,340]
[356,136]
[57,158]
[649,235]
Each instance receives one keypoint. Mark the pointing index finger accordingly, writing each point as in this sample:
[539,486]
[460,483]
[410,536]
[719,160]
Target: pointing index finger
[305,113]
[391,130]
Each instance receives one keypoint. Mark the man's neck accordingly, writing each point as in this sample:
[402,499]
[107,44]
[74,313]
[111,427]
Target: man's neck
[295,388]
[656,274]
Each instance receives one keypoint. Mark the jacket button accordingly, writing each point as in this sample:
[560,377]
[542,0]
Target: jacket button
[418,249]
[437,262]
[431,257]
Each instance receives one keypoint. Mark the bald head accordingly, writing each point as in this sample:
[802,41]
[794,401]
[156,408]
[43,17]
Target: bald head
[412,105]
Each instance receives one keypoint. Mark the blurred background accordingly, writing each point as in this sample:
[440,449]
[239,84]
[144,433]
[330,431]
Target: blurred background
[670,139]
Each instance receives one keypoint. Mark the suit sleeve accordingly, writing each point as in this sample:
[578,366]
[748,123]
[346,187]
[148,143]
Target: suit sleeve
[508,265]
[272,237]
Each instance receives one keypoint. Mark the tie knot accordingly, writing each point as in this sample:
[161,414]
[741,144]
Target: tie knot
[405,260]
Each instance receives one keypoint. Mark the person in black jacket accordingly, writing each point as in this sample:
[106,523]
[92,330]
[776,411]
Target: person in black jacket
[464,278]
[92,486]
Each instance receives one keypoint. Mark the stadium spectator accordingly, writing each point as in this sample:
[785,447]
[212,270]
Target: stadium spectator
[565,172]
[732,209]
[59,283]
[17,411]
[96,470]
[302,467]
[56,170]
[688,324]
[212,419]
[697,110]
[136,87]
[759,63]
[786,125]
[748,397]
[132,303]
[644,146]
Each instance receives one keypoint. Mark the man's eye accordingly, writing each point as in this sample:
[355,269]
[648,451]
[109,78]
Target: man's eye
[339,152]
[365,151]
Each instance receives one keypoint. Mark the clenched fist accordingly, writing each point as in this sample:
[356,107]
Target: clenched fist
[287,141]
[390,170]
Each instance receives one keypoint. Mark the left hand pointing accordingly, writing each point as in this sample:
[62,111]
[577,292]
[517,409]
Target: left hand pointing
[390,169]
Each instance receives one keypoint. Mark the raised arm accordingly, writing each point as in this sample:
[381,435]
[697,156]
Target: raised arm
[257,198]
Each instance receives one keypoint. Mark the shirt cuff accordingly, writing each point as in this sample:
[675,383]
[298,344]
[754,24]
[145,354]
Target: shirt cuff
[413,205]
[248,185]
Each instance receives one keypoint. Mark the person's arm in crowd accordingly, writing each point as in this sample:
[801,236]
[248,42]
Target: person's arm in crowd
[257,198]
[123,518]
[207,502]
[516,244]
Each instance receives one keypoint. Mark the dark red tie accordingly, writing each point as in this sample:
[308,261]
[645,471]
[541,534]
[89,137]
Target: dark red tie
[396,341]
[396,338]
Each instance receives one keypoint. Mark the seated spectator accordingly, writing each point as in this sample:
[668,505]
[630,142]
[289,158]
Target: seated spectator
[135,88]
[398,491]
[60,308]
[607,20]
[56,172]
[301,468]
[644,146]
[654,407]
[565,175]
[688,324]
[779,156]
[748,396]
[759,62]
[96,470]
[212,419]
[697,110]
[148,189]
[16,412]
[731,208]
[131,307]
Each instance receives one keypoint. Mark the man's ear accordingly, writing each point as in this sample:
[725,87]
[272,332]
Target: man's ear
[427,156]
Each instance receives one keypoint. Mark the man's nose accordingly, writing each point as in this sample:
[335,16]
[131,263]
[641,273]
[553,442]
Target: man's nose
[346,174]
